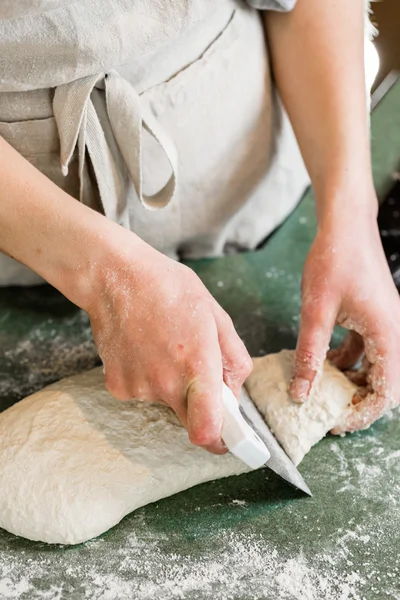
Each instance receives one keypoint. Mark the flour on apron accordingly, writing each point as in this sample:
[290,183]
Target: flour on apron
[161,115]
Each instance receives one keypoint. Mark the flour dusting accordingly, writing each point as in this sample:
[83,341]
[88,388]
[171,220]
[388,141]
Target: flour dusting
[141,569]
[45,355]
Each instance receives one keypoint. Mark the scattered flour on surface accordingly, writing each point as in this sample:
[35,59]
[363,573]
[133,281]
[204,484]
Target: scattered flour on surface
[141,569]
[44,356]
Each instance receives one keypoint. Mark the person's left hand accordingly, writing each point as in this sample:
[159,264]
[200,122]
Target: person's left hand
[347,281]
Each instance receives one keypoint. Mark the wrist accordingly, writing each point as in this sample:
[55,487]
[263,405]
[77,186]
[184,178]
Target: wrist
[68,244]
[103,252]
[346,203]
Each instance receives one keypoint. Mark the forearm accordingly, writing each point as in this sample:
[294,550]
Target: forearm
[318,60]
[49,231]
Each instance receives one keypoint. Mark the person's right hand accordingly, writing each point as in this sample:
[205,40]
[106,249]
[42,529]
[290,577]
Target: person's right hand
[160,333]
[162,337]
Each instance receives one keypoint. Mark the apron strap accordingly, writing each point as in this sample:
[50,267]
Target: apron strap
[79,123]
[128,116]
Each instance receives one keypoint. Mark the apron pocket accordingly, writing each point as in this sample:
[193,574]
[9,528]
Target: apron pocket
[38,141]
[211,57]
[32,138]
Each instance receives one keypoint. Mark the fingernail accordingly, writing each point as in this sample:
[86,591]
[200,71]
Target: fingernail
[300,389]
[356,399]
[338,432]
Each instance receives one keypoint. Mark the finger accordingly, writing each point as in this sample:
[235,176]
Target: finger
[364,413]
[383,381]
[204,403]
[204,417]
[236,361]
[316,325]
[349,352]
[181,412]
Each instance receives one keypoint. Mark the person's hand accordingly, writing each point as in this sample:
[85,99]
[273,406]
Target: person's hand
[347,281]
[159,332]
[162,337]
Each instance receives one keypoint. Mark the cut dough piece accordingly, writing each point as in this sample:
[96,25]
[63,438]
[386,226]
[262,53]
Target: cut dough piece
[74,461]
[298,426]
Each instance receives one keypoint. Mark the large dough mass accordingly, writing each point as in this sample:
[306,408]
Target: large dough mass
[74,461]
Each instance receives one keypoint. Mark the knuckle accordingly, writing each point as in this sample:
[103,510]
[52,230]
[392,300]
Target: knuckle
[369,409]
[247,365]
[194,367]
[240,370]
[190,274]
[159,381]
[238,361]
[307,359]
[141,391]
[116,387]
[226,320]
[165,387]
[193,281]
[314,321]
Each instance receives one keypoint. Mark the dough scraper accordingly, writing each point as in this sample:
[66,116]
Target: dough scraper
[248,437]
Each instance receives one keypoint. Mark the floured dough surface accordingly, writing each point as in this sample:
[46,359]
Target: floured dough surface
[74,461]
[298,426]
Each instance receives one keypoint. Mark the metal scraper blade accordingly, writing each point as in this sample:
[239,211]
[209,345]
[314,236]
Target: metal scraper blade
[279,462]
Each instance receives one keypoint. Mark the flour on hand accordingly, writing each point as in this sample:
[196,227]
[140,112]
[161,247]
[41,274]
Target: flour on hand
[74,461]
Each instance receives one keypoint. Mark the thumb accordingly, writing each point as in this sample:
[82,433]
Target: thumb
[204,416]
[316,325]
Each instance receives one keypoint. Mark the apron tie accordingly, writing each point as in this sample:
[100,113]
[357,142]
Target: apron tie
[79,124]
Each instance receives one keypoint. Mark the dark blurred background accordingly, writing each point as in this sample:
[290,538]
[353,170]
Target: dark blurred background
[386,16]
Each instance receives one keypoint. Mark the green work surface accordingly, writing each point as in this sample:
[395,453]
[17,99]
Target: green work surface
[242,538]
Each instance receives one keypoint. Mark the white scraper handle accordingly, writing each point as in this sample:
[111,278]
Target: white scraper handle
[238,436]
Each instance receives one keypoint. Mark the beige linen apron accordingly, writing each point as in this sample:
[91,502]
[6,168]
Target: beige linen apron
[159,114]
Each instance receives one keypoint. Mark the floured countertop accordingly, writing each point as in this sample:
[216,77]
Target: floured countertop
[241,538]
[248,537]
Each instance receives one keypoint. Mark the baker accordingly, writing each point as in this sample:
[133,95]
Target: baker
[161,119]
